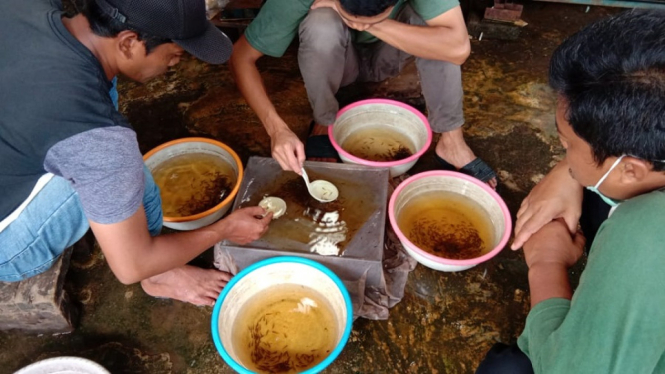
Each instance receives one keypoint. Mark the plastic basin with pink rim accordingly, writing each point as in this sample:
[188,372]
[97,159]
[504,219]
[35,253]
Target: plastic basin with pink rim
[469,187]
[382,114]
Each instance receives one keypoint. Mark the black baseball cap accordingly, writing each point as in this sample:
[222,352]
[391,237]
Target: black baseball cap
[182,21]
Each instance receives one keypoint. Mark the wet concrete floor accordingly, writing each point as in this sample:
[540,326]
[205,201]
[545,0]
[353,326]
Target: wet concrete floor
[446,321]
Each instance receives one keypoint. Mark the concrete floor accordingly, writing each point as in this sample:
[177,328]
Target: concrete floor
[446,321]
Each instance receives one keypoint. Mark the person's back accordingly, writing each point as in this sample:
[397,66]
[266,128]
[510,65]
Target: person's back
[51,87]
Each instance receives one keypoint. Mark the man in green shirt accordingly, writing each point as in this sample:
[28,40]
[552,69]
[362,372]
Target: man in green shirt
[344,41]
[610,116]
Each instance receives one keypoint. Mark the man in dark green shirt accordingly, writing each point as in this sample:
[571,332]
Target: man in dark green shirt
[610,116]
[343,41]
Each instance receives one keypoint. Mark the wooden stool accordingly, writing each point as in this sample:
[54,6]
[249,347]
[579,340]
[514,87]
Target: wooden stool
[39,304]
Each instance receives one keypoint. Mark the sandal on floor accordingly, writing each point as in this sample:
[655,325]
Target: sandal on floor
[476,168]
[319,146]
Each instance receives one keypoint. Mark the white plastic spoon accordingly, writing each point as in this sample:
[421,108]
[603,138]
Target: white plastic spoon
[321,190]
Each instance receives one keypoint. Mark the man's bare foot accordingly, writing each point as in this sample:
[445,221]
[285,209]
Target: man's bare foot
[187,283]
[452,148]
[320,130]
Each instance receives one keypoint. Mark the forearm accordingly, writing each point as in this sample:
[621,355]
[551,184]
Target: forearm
[250,84]
[176,249]
[429,42]
[133,255]
[547,281]
[561,172]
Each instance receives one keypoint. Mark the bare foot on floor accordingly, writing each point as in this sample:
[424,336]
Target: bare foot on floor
[189,284]
[320,130]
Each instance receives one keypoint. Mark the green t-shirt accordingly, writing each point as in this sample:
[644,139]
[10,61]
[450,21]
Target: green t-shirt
[615,322]
[277,23]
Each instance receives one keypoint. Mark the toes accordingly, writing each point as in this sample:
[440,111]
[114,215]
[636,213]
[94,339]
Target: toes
[211,294]
[220,285]
[224,276]
[214,289]
[203,301]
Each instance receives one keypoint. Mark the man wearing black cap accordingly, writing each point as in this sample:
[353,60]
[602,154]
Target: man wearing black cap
[70,161]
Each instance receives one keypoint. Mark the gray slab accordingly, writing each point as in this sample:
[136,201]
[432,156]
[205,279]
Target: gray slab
[362,204]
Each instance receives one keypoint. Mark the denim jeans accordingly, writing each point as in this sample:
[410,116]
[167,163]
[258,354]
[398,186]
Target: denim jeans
[113,92]
[53,221]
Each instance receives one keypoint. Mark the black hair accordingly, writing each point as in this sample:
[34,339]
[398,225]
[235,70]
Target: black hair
[103,25]
[612,77]
[366,8]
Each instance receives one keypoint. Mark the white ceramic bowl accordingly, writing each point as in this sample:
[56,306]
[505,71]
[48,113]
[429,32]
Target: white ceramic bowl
[64,365]
[391,114]
[197,145]
[462,184]
[271,272]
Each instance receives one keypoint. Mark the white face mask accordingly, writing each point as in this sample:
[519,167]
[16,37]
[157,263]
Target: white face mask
[611,202]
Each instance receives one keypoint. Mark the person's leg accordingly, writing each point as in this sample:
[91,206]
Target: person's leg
[505,359]
[327,61]
[441,84]
[152,204]
[50,223]
[185,283]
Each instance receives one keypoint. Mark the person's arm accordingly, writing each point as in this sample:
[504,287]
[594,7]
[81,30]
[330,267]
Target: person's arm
[548,254]
[106,170]
[444,38]
[557,195]
[287,149]
[134,255]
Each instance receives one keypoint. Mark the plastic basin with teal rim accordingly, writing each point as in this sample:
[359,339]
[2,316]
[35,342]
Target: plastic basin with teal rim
[290,272]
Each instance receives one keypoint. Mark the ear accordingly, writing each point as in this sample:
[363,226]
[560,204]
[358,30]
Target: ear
[129,44]
[634,170]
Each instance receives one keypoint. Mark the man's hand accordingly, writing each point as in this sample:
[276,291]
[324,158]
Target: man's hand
[286,147]
[288,150]
[245,225]
[549,253]
[558,195]
[554,245]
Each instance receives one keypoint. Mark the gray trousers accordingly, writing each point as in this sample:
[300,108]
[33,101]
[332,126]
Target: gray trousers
[328,60]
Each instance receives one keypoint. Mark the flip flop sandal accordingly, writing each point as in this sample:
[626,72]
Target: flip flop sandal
[476,168]
[319,146]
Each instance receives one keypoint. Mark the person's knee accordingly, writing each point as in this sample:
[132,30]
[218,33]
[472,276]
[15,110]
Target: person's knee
[40,234]
[322,30]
